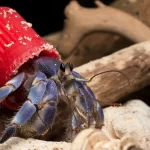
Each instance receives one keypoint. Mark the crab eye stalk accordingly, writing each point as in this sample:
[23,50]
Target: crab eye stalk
[62,67]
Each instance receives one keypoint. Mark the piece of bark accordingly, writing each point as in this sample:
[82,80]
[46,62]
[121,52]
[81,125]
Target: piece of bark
[138,9]
[133,61]
[96,45]
[81,21]
[53,37]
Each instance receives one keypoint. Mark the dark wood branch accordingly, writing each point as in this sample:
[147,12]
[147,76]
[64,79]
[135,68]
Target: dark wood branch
[133,61]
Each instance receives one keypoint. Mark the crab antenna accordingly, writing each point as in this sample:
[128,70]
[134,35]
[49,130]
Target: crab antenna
[89,80]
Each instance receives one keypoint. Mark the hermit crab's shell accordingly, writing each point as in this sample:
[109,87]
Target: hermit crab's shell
[18,43]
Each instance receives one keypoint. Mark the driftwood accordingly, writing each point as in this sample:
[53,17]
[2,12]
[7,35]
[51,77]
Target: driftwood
[81,21]
[133,61]
[83,46]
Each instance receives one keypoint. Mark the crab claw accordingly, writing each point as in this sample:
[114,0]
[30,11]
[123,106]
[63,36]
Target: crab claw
[11,86]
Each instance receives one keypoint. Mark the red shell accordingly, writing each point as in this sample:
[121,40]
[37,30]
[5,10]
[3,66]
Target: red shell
[18,43]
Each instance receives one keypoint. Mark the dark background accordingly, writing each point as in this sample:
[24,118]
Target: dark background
[45,16]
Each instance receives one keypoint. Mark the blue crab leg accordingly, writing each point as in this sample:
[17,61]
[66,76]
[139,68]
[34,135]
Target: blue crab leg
[11,86]
[23,115]
[89,96]
[28,108]
[100,116]
[75,125]
[38,88]
[98,111]
[86,103]
[48,112]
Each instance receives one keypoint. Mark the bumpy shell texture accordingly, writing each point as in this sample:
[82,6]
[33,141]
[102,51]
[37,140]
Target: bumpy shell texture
[18,43]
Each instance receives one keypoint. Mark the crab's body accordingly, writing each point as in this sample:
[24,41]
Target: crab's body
[46,82]
[41,83]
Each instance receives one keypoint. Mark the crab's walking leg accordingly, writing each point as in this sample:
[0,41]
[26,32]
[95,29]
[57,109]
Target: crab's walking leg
[75,125]
[23,115]
[11,86]
[90,100]
[98,111]
[99,115]
[48,112]
[28,108]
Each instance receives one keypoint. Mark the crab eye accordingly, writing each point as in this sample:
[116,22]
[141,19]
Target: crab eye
[71,66]
[62,67]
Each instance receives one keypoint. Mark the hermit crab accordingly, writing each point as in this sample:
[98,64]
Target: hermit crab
[30,65]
